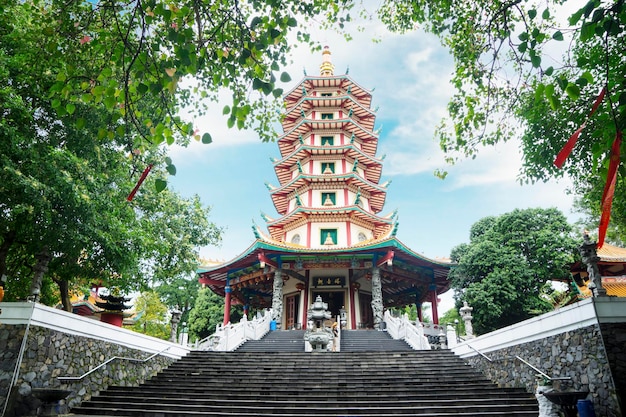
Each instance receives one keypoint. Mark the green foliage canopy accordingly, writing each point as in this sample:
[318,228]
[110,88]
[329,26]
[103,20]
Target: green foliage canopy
[537,69]
[120,55]
[151,316]
[504,268]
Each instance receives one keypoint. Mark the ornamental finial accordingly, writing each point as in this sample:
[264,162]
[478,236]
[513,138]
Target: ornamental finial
[327,68]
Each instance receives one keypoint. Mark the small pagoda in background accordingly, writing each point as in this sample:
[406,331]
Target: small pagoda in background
[113,307]
[330,240]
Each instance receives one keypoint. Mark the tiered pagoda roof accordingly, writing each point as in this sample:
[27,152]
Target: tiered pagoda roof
[329,198]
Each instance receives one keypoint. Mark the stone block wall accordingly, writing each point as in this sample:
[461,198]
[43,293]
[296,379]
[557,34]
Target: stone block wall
[10,342]
[50,354]
[614,337]
[579,354]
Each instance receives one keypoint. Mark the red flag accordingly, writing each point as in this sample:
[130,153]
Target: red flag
[609,188]
[599,99]
[567,149]
[143,177]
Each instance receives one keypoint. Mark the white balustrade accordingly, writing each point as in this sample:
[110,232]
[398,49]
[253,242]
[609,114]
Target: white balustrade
[404,329]
[230,336]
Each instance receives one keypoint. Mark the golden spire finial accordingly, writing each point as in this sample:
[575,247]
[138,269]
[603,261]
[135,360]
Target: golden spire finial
[327,67]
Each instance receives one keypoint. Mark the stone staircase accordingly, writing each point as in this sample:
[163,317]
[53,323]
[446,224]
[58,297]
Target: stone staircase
[371,341]
[330,384]
[276,341]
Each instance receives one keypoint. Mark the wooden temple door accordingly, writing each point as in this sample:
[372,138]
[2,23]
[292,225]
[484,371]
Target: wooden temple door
[367,315]
[292,311]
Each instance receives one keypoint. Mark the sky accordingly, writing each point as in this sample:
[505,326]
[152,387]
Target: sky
[410,76]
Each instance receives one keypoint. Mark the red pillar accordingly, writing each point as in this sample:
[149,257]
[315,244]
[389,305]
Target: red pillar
[227,305]
[352,306]
[305,295]
[433,303]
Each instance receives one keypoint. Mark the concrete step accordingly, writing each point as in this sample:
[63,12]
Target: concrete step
[428,384]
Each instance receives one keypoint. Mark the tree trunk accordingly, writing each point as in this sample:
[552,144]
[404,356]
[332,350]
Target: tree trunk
[65,294]
[40,268]
[7,241]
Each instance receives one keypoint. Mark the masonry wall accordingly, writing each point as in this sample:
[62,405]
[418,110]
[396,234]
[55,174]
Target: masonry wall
[50,354]
[10,343]
[58,343]
[614,337]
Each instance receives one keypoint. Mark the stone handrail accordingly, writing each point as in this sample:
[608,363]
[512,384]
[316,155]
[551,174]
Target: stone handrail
[230,336]
[402,328]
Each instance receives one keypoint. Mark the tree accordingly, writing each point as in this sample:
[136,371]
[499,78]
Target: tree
[122,54]
[452,318]
[504,268]
[180,294]
[521,67]
[151,316]
[84,85]
[207,313]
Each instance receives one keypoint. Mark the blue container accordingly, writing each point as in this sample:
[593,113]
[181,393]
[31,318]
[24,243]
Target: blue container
[273,325]
[585,408]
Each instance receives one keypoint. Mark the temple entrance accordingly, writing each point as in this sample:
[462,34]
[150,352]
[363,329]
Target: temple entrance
[291,311]
[335,299]
[367,316]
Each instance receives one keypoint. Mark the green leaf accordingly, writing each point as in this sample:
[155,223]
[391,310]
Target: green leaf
[109,102]
[523,36]
[80,123]
[277,92]
[582,81]
[532,13]
[284,77]
[70,107]
[55,103]
[554,101]
[573,91]
[546,14]
[575,17]
[171,169]
[230,122]
[206,138]
[549,71]
[536,61]
[255,21]
[292,22]
[160,185]
[558,36]
[142,88]
[587,31]
[226,109]
[168,160]
[622,99]
[267,88]
[589,7]
[274,33]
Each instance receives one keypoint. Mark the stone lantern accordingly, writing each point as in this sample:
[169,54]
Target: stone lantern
[316,334]
[466,315]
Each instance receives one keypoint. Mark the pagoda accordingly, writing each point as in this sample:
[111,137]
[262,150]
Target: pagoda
[329,238]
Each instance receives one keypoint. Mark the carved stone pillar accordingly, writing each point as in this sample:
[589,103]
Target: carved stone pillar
[377,297]
[277,298]
[40,268]
[590,258]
